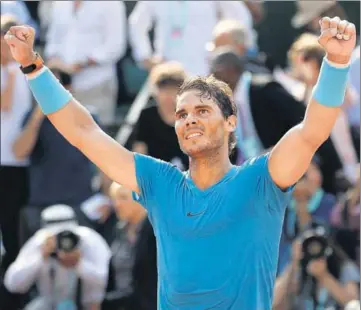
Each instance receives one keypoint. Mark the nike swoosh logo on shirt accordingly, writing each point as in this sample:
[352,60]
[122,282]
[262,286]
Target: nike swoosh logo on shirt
[190,214]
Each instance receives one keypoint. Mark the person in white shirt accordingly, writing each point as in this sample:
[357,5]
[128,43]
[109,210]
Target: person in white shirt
[80,41]
[16,101]
[59,257]
[182,29]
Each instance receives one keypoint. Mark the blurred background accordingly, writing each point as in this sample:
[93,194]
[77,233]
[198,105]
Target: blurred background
[125,61]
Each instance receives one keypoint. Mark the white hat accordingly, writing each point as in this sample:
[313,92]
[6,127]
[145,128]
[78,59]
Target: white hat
[58,218]
[308,10]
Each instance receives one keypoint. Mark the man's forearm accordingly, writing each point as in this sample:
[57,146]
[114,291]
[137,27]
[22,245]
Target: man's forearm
[325,104]
[338,292]
[68,116]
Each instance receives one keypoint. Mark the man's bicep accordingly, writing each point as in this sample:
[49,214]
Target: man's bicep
[290,158]
[266,189]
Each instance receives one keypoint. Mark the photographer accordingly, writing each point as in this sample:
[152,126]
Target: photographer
[345,220]
[309,203]
[320,275]
[68,263]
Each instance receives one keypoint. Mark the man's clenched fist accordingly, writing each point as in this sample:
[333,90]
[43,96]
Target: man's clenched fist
[338,38]
[21,42]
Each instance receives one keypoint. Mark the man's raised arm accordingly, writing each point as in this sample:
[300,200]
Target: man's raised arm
[291,157]
[69,117]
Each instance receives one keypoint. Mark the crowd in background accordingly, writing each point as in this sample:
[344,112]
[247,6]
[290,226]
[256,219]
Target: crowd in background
[45,181]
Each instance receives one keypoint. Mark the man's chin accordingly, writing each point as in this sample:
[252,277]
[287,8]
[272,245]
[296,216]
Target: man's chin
[195,151]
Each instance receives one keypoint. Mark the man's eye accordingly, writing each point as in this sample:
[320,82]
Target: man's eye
[182,115]
[203,111]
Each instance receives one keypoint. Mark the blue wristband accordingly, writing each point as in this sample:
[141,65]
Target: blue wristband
[48,92]
[331,85]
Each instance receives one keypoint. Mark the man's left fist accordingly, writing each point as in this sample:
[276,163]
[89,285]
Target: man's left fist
[338,38]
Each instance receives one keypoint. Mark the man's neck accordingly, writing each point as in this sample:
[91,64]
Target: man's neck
[208,170]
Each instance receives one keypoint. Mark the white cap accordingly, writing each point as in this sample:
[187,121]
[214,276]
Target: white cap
[308,10]
[59,217]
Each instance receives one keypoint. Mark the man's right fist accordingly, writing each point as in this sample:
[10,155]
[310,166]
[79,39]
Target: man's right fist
[21,42]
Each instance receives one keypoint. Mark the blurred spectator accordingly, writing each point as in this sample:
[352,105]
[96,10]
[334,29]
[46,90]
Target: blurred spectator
[134,253]
[233,34]
[256,8]
[155,134]
[310,66]
[309,203]
[19,10]
[58,172]
[347,212]
[15,103]
[182,29]
[353,109]
[266,111]
[44,12]
[81,42]
[291,77]
[355,70]
[310,12]
[326,282]
[68,263]
[346,221]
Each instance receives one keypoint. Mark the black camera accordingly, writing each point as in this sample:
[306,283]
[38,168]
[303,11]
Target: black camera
[315,244]
[67,241]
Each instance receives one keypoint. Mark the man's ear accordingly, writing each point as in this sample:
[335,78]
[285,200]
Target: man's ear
[231,123]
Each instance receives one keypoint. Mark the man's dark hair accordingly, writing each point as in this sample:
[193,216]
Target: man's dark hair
[211,88]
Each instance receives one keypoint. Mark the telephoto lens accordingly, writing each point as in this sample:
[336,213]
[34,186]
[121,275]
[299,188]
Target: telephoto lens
[67,241]
[315,244]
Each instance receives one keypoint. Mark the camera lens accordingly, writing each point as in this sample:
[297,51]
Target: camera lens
[67,241]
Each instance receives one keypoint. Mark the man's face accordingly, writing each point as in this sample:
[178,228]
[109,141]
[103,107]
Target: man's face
[200,126]
[166,98]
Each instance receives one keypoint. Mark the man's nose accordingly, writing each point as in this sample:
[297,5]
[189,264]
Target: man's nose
[191,120]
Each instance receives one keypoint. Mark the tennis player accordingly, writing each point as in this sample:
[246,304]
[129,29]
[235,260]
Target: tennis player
[218,226]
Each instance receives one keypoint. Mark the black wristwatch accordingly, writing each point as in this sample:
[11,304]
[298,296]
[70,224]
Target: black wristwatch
[37,64]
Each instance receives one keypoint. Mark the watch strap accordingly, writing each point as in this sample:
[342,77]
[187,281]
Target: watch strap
[37,64]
